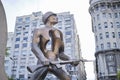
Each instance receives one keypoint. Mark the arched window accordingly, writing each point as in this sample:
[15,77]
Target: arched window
[102,46]
[100,35]
[105,25]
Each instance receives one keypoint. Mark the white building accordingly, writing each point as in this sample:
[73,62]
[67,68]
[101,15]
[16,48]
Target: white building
[22,55]
[105,15]
[8,61]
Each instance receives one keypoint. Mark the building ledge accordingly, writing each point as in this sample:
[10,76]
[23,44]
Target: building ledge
[105,51]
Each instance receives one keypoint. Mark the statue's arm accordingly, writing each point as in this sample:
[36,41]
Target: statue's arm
[62,55]
[35,49]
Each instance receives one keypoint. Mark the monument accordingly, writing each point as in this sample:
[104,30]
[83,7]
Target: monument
[3,41]
[48,59]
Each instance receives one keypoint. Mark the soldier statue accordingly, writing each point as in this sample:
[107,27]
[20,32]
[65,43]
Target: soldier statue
[41,38]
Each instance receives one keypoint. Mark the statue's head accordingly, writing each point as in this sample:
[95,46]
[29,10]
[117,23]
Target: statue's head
[50,16]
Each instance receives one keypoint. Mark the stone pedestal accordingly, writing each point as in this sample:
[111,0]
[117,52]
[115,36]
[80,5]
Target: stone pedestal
[3,41]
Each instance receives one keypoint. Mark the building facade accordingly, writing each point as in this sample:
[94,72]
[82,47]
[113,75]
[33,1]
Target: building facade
[105,16]
[8,56]
[21,47]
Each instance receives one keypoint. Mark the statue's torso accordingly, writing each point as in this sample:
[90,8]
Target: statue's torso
[44,39]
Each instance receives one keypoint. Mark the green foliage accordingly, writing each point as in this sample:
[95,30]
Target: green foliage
[118,75]
[6,52]
[10,78]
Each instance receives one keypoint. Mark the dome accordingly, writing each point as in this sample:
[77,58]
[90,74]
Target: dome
[93,1]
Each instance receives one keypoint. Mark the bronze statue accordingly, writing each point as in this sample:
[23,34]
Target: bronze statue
[47,58]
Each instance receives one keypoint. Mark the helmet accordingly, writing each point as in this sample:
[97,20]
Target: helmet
[46,16]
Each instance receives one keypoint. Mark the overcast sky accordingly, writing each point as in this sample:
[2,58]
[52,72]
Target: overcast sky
[82,17]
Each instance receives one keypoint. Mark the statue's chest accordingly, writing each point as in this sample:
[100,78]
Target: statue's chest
[46,34]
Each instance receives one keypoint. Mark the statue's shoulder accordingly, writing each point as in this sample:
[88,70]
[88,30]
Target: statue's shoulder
[57,29]
[39,29]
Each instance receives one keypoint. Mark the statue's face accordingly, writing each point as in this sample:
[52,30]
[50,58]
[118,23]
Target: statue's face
[53,19]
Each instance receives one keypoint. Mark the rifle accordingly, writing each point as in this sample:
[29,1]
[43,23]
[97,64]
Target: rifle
[33,68]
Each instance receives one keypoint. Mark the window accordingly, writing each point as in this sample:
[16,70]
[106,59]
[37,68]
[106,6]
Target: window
[111,24]
[27,19]
[113,34]
[98,17]
[24,52]
[59,23]
[110,57]
[25,38]
[110,60]
[68,32]
[99,26]
[68,40]
[67,27]
[108,45]
[104,15]
[115,15]
[20,19]
[100,36]
[17,39]
[18,33]
[114,5]
[32,58]
[67,22]
[19,27]
[96,7]
[110,15]
[112,69]
[102,5]
[114,45]
[97,48]
[36,14]
[34,24]
[118,5]
[26,26]
[21,67]
[119,34]
[108,5]
[118,24]
[119,14]
[16,45]
[24,45]
[107,34]
[96,38]
[95,29]
[21,76]
[105,24]
[23,58]
[25,33]
[102,46]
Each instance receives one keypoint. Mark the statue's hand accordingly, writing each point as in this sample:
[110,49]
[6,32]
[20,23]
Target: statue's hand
[75,63]
[64,57]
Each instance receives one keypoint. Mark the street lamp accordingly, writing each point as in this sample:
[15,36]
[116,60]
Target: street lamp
[13,66]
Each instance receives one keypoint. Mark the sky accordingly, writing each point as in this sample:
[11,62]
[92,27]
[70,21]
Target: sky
[80,9]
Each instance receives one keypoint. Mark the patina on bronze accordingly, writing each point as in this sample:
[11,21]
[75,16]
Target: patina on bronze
[47,58]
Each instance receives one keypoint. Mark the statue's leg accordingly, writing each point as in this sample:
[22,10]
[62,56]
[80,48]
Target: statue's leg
[60,73]
[39,74]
